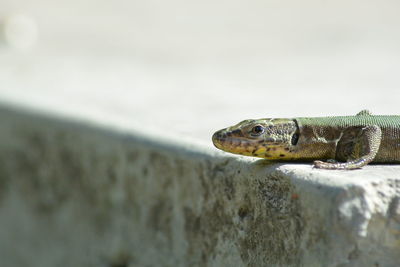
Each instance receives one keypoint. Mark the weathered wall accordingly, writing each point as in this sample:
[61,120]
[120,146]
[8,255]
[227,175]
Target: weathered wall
[72,195]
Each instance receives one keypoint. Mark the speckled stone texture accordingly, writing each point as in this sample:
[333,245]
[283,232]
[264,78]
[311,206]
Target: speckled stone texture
[74,195]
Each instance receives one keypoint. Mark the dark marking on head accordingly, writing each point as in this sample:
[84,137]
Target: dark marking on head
[281,155]
[295,139]
[237,132]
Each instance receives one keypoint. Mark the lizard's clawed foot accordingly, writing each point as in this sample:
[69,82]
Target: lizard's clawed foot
[351,165]
[329,164]
[319,164]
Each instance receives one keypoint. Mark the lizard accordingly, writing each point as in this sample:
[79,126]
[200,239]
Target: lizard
[335,142]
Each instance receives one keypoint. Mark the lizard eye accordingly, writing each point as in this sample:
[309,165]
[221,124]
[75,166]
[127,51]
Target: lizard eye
[257,130]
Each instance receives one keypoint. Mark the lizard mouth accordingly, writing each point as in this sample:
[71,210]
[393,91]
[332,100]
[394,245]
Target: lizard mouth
[237,145]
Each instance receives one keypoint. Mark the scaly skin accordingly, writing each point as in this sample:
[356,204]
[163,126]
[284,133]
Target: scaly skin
[353,140]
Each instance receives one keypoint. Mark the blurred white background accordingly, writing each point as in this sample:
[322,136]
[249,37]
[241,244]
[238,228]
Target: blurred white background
[192,67]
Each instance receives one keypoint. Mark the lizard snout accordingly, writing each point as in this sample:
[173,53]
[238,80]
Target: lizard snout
[218,138]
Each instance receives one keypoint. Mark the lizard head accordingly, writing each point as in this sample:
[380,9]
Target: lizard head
[264,138]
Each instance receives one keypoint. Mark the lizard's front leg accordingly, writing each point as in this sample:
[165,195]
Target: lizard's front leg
[359,147]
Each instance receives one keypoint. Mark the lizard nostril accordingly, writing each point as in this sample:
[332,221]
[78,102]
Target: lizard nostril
[217,136]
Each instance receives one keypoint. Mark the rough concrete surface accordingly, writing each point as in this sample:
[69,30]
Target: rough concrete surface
[74,195]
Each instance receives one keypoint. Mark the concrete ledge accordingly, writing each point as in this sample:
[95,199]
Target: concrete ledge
[72,195]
